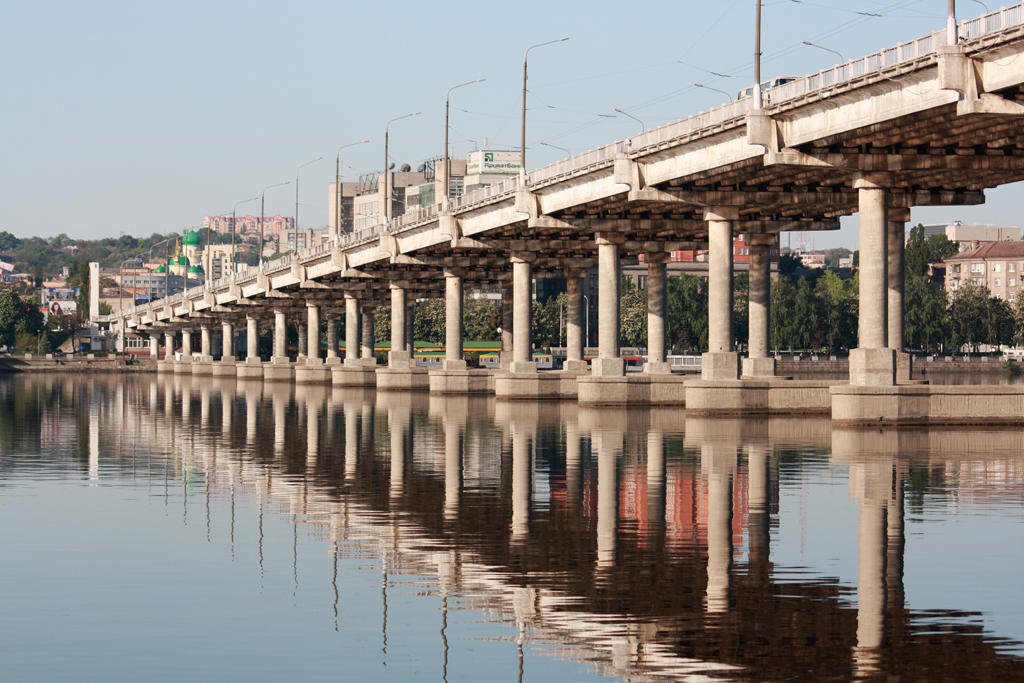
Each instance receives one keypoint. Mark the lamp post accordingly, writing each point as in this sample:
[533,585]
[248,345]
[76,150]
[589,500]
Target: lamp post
[263,201]
[563,149]
[447,172]
[643,126]
[386,194]
[757,57]
[951,23]
[841,59]
[708,87]
[337,186]
[522,138]
[234,261]
[167,267]
[982,4]
[295,228]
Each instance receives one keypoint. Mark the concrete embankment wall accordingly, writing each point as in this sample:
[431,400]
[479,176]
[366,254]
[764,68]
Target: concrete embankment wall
[110,364]
[922,367]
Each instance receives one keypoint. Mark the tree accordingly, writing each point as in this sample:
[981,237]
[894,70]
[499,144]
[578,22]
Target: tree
[741,308]
[632,314]
[481,319]
[838,304]
[37,275]
[8,242]
[921,252]
[382,324]
[968,316]
[925,322]
[832,256]
[788,263]
[429,325]
[687,307]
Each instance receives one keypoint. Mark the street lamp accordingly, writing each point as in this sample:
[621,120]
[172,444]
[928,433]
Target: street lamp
[643,126]
[841,59]
[167,267]
[708,87]
[555,147]
[295,228]
[982,4]
[234,261]
[337,186]
[522,139]
[263,201]
[951,23]
[447,173]
[757,57]
[386,192]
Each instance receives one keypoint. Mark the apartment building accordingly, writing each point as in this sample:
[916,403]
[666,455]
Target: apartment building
[995,265]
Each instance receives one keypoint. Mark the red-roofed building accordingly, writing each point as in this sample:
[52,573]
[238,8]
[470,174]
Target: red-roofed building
[995,265]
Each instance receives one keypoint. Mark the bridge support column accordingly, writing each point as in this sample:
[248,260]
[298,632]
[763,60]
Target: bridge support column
[227,354]
[507,323]
[252,340]
[154,346]
[169,338]
[398,356]
[656,283]
[522,313]
[280,337]
[758,363]
[303,335]
[608,363]
[574,323]
[871,363]
[184,366]
[205,345]
[721,362]
[332,339]
[453,322]
[896,222]
[367,345]
[313,335]
[351,330]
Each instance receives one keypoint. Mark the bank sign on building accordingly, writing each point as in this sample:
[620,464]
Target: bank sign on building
[493,162]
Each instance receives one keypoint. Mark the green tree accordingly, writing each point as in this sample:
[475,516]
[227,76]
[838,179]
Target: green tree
[382,324]
[481,319]
[11,310]
[429,324]
[925,321]
[632,314]
[788,263]
[832,256]
[8,242]
[687,307]
[837,307]
[741,308]
[968,316]
[923,251]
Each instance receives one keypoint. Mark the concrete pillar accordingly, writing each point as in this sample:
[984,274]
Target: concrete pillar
[720,362]
[205,347]
[398,356]
[522,313]
[332,338]
[574,322]
[313,334]
[227,353]
[657,321]
[758,363]
[608,363]
[453,322]
[169,345]
[154,346]
[303,335]
[368,331]
[507,323]
[252,340]
[186,345]
[872,364]
[351,329]
[896,225]
[718,463]
[280,337]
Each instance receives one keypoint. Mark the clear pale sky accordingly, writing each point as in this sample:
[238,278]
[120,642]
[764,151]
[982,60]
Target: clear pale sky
[135,117]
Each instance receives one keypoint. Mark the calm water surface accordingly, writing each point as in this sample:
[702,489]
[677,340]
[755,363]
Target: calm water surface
[170,529]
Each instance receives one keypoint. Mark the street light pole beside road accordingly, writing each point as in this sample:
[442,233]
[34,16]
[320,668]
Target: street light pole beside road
[295,228]
[337,186]
[263,202]
[386,194]
[447,171]
[522,138]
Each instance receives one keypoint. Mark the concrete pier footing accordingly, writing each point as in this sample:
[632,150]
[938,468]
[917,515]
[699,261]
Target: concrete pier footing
[917,404]
[279,369]
[760,396]
[184,366]
[407,377]
[312,371]
[632,389]
[252,368]
[225,367]
[165,366]
[459,382]
[355,372]
[537,386]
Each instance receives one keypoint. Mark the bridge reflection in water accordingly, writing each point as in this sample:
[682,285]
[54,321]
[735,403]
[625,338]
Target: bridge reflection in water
[639,542]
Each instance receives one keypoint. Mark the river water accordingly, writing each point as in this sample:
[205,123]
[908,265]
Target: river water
[170,529]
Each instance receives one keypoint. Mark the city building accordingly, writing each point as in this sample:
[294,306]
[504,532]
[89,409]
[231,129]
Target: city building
[303,238]
[995,265]
[272,225]
[971,237]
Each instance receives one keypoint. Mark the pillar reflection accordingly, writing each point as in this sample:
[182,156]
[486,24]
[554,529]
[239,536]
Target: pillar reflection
[718,466]
[454,423]
[398,423]
[607,445]
[522,433]
[655,482]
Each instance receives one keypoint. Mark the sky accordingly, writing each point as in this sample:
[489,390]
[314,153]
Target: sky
[140,117]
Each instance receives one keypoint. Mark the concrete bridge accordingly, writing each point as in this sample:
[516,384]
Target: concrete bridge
[934,121]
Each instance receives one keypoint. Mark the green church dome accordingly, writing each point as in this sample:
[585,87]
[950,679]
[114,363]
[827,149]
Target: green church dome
[192,239]
[161,269]
[196,270]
